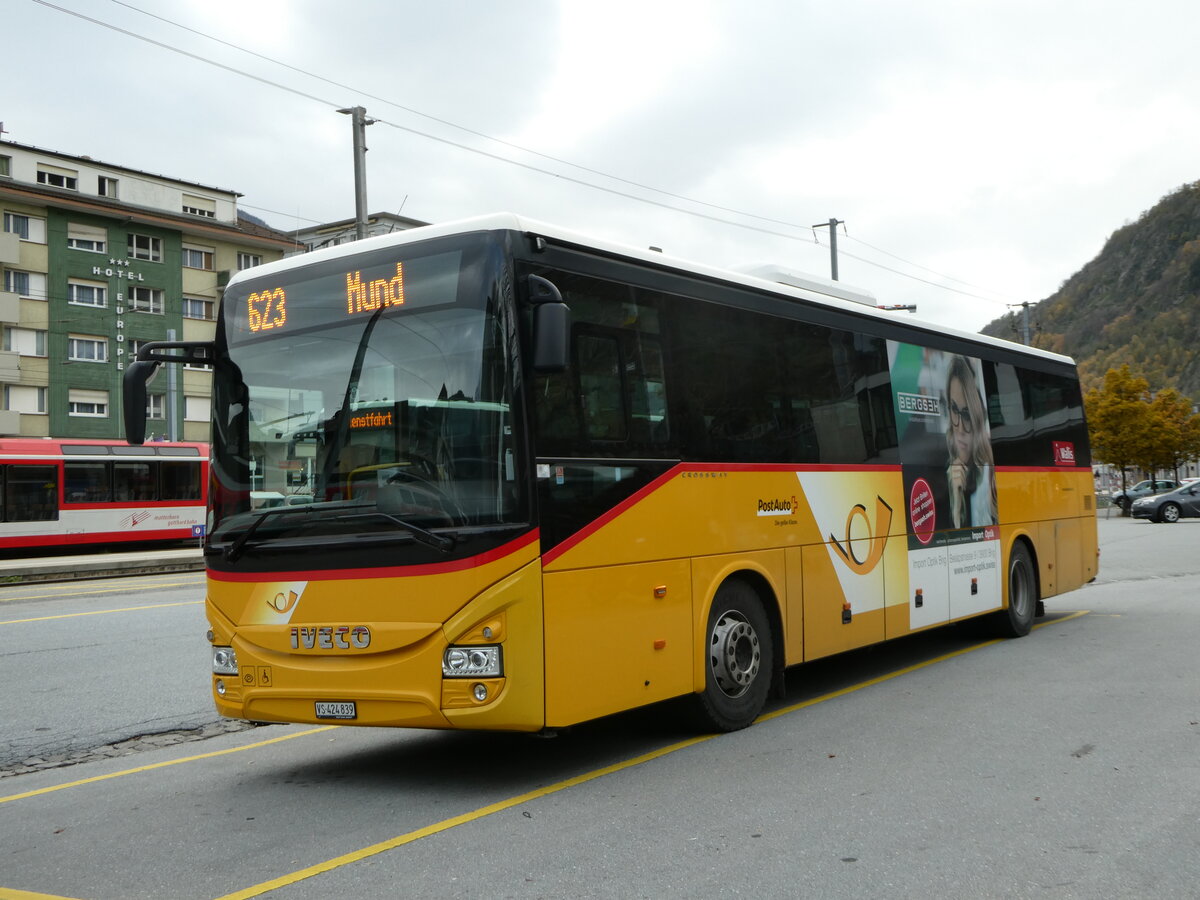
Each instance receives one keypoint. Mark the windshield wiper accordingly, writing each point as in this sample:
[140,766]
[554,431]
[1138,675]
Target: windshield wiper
[439,542]
[234,550]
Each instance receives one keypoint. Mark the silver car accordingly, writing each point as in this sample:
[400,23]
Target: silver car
[1181,503]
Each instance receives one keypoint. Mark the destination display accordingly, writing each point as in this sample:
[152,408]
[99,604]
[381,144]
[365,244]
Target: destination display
[326,294]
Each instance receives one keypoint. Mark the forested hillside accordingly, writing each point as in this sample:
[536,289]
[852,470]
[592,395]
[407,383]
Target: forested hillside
[1137,302]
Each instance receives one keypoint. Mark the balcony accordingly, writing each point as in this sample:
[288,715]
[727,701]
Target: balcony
[10,367]
[10,307]
[10,423]
[10,248]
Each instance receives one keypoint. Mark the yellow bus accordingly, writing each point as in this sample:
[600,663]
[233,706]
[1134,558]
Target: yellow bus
[530,479]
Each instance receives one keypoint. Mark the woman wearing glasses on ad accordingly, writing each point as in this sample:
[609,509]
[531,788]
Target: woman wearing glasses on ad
[970,472]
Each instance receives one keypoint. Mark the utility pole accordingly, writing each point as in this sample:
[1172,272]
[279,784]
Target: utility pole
[1025,319]
[832,225]
[359,123]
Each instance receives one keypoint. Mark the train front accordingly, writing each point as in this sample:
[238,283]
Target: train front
[370,554]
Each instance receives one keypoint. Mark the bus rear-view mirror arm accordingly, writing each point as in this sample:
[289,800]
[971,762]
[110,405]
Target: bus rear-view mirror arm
[551,326]
[142,370]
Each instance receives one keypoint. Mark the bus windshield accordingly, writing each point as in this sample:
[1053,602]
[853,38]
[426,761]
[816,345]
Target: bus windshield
[363,397]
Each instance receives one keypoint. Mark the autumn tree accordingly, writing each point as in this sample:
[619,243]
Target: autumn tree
[1175,429]
[1118,415]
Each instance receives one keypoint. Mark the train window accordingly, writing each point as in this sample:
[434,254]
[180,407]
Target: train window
[133,482]
[87,482]
[30,493]
[179,480]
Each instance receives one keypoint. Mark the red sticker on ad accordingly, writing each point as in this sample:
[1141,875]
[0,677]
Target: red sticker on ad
[922,511]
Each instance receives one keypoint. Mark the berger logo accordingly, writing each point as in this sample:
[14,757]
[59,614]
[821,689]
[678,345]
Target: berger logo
[331,637]
[878,537]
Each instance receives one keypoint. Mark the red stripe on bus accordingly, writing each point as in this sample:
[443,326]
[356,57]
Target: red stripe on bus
[457,565]
[1087,469]
[638,496]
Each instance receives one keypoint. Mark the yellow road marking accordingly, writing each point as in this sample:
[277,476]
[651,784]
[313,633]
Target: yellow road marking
[78,593]
[10,894]
[163,765]
[102,612]
[446,824]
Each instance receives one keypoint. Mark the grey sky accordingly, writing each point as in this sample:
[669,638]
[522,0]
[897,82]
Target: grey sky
[997,143]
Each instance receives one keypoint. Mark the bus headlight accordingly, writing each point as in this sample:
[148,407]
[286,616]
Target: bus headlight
[472,662]
[224,661]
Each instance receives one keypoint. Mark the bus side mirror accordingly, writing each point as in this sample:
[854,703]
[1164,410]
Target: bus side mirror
[133,398]
[140,372]
[551,326]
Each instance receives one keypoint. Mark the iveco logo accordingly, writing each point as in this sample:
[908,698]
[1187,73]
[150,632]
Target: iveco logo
[331,637]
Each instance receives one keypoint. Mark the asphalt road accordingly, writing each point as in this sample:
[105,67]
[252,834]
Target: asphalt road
[1063,764]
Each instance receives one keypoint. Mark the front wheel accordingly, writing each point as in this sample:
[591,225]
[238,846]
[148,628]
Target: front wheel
[739,659]
[1169,512]
[1017,620]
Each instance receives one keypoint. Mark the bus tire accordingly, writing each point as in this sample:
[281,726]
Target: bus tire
[739,659]
[1017,619]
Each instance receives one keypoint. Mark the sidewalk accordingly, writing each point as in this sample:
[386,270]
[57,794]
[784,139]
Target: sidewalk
[99,565]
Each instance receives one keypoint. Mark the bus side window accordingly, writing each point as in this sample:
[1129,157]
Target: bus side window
[599,361]
[647,394]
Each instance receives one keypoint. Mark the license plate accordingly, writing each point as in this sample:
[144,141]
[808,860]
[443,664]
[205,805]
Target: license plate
[336,710]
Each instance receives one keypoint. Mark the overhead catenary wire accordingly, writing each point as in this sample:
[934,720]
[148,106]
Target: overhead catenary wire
[498,157]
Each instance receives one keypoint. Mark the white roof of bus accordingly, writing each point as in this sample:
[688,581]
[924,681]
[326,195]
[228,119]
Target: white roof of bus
[777,279]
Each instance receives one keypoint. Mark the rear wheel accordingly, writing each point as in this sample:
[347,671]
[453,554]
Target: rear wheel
[1017,620]
[1169,512]
[739,659]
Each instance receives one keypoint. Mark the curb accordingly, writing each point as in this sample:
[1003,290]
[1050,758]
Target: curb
[79,570]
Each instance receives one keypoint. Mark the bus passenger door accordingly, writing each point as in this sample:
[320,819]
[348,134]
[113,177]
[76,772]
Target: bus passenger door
[617,637]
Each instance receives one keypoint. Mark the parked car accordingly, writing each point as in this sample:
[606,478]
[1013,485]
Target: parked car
[1146,488]
[1181,503]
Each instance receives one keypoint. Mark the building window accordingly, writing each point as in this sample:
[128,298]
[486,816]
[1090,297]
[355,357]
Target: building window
[142,246]
[106,187]
[147,300]
[87,293]
[24,399]
[29,228]
[25,341]
[52,176]
[93,404]
[6,166]
[199,206]
[30,285]
[197,258]
[154,406]
[86,237]
[197,308]
[82,348]
[134,346]
[196,409]
[248,261]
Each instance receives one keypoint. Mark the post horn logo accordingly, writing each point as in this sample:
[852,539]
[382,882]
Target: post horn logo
[878,540]
[282,602]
